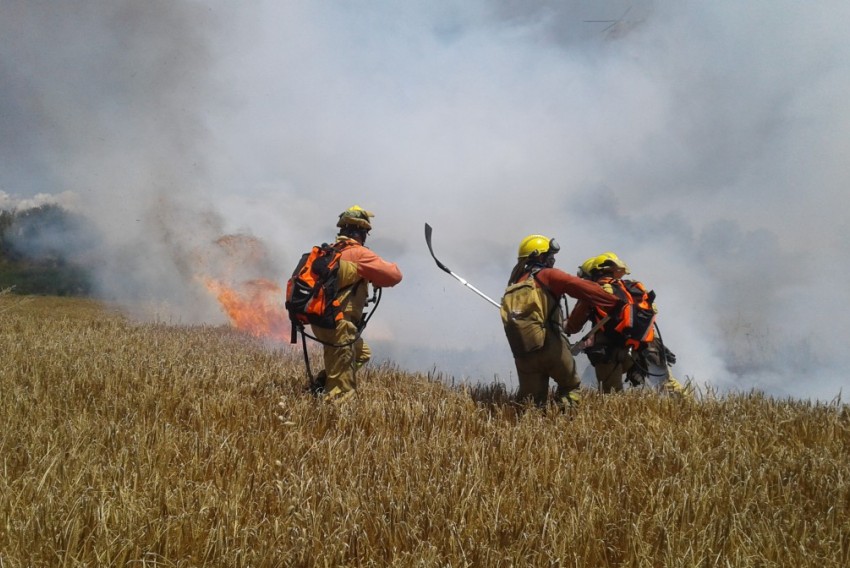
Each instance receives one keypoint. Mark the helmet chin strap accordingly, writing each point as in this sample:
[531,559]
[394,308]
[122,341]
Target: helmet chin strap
[353,233]
[546,260]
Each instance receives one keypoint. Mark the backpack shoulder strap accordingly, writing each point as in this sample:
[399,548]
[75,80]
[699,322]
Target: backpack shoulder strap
[555,305]
[343,244]
[344,292]
[533,274]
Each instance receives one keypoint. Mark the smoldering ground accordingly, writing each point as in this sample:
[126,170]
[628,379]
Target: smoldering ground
[705,143]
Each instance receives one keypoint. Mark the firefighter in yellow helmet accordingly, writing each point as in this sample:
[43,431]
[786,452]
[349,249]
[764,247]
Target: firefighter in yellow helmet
[532,319]
[344,350]
[613,354]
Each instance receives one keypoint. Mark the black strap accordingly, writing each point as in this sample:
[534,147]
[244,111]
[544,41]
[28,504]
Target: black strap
[306,356]
[556,305]
[361,326]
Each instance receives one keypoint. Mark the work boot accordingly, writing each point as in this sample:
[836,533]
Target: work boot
[568,399]
[337,396]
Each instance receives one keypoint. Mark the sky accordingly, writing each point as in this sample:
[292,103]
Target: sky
[705,143]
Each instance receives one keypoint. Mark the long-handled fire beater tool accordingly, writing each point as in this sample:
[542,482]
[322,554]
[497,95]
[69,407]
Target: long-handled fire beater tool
[447,269]
[574,348]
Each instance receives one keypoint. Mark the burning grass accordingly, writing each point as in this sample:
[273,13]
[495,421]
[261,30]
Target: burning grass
[129,444]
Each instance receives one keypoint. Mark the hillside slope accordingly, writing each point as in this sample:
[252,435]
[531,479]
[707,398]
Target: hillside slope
[129,443]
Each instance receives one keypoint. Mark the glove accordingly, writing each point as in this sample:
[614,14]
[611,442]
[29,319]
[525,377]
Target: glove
[635,377]
[669,356]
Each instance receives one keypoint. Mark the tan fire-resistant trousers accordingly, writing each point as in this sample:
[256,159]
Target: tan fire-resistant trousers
[342,363]
[553,360]
[609,374]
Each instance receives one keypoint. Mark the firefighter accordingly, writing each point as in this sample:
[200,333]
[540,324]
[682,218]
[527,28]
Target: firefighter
[344,350]
[533,319]
[611,354]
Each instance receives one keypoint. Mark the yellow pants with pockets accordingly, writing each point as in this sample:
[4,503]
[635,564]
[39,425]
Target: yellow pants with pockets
[343,357]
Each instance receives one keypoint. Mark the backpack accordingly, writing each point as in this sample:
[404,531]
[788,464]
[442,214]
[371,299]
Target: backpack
[312,289]
[635,321]
[524,316]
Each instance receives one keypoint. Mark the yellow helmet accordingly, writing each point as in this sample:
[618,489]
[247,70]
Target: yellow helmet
[355,216]
[588,266]
[611,259]
[595,263]
[537,245]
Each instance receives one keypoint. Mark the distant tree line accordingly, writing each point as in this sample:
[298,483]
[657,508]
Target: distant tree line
[44,250]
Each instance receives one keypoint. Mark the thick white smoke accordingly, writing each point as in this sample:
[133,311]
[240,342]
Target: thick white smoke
[705,143]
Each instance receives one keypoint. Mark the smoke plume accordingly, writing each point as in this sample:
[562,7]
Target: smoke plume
[704,142]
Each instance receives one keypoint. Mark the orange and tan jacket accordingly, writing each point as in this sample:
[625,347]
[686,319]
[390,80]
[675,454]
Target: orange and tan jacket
[584,311]
[359,263]
[559,283]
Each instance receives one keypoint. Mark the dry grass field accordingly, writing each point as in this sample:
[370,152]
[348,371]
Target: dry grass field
[127,444]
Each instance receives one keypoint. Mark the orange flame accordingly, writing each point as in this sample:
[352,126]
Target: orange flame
[257,308]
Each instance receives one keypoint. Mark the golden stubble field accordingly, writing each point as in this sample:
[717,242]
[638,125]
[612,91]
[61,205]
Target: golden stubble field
[125,444]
